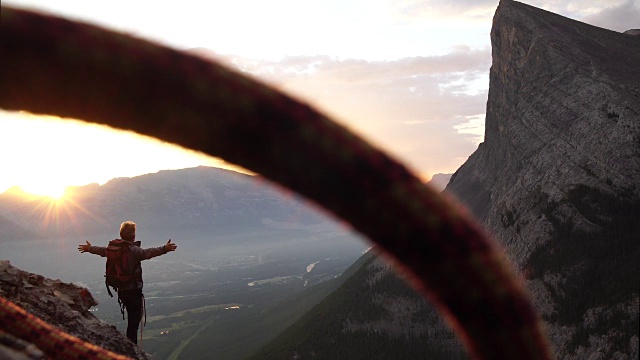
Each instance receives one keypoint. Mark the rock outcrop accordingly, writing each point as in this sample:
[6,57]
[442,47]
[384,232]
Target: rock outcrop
[557,179]
[63,305]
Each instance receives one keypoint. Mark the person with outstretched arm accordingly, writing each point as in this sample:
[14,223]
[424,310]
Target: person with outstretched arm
[129,254]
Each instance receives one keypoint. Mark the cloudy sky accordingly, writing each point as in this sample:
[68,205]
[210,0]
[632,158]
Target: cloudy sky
[409,75]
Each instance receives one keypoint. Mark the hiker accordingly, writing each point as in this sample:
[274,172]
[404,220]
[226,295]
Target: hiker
[129,290]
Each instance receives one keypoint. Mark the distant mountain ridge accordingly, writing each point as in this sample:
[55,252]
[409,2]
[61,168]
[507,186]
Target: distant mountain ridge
[198,199]
[11,230]
[440,181]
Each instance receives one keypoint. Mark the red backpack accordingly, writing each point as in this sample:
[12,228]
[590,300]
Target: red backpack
[119,272]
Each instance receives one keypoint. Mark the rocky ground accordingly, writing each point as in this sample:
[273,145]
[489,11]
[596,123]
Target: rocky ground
[63,305]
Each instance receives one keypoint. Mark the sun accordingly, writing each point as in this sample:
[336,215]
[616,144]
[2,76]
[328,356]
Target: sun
[52,191]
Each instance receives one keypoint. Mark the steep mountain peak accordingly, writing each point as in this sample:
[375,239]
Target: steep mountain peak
[564,98]
[557,178]
[524,37]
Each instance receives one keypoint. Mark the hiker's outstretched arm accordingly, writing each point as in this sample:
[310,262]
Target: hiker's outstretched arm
[145,254]
[169,246]
[98,250]
[84,247]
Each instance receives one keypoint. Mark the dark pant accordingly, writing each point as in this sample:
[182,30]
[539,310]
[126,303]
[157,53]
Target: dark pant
[132,301]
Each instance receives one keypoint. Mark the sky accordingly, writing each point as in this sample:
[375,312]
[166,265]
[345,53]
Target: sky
[410,76]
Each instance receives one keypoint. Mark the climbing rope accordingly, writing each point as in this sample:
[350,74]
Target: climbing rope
[69,69]
[55,343]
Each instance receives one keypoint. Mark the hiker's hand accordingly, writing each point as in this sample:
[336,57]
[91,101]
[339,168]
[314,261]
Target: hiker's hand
[169,246]
[84,248]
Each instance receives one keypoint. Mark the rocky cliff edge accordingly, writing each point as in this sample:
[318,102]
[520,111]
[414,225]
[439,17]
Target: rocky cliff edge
[63,305]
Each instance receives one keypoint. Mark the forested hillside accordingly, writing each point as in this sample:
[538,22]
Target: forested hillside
[373,315]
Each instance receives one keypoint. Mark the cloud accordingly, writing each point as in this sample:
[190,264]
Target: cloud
[618,15]
[619,18]
[408,106]
[469,9]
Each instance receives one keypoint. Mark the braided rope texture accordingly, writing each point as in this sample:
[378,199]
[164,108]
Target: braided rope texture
[56,343]
[69,69]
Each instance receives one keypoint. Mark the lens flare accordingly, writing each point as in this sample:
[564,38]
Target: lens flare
[52,191]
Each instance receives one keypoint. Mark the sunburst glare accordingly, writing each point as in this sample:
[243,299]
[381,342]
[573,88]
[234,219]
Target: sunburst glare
[45,154]
[52,191]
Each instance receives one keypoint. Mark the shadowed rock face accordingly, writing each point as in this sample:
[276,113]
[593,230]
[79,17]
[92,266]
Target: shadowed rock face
[559,171]
[563,107]
[63,305]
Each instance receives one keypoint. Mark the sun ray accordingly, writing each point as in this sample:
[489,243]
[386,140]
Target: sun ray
[52,191]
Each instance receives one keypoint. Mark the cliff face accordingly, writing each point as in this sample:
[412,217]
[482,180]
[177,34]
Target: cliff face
[63,305]
[563,110]
[557,180]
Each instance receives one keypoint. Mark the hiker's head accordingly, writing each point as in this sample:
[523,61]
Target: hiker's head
[128,231]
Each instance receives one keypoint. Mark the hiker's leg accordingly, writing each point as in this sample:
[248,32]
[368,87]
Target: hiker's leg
[132,300]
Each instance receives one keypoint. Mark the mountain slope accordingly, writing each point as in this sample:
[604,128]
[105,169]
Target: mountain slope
[557,178]
[11,230]
[440,181]
[201,199]
[373,315]
[239,336]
